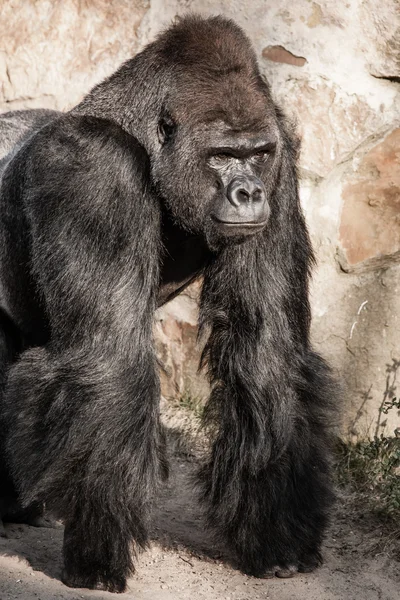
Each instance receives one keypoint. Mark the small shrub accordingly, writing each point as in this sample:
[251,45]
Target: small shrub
[192,404]
[372,469]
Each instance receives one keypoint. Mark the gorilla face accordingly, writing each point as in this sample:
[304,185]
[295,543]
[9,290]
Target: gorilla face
[217,180]
[239,162]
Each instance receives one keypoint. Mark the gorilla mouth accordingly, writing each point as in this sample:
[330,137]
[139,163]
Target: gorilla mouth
[240,224]
[243,223]
[233,229]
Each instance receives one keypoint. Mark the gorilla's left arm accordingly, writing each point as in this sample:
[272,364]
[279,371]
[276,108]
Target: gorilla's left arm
[83,410]
[266,482]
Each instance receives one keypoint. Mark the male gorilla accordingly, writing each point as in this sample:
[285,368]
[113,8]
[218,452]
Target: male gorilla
[178,165]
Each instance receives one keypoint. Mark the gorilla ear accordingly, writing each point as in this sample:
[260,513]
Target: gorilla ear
[166,129]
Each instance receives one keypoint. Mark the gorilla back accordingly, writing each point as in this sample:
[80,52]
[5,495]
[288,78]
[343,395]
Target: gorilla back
[178,165]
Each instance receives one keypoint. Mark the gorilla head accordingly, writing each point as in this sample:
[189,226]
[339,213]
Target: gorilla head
[206,119]
[216,131]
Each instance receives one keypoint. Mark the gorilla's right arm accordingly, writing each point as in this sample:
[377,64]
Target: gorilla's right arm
[88,400]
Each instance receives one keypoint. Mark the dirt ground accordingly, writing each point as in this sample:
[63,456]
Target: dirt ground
[183,564]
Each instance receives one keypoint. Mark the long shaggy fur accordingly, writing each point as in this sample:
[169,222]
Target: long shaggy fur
[91,210]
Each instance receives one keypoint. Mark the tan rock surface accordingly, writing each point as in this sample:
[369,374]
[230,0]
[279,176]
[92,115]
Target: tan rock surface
[370,222]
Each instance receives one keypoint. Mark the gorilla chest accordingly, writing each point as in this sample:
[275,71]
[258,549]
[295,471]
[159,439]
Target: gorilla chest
[183,259]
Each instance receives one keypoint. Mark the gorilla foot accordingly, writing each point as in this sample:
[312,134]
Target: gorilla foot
[32,515]
[281,572]
[310,562]
[287,572]
[103,582]
[41,521]
[306,564]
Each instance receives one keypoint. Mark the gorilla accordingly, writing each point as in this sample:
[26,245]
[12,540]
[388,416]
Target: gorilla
[179,165]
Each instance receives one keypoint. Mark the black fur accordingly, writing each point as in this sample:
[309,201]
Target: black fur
[105,213]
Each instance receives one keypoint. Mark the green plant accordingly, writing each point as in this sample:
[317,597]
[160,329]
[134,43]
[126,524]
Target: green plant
[372,468]
[192,404]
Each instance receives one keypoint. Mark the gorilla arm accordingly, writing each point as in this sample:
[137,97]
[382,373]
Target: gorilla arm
[266,484]
[82,412]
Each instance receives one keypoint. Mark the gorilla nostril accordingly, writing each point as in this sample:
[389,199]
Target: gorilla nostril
[242,196]
[238,194]
[257,195]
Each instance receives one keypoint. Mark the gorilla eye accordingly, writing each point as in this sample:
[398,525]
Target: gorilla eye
[166,129]
[220,159]
[261,156]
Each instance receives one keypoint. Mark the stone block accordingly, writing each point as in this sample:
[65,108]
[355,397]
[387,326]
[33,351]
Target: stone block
[369,230]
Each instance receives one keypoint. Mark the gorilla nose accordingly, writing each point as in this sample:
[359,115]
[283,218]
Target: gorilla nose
[243,209]
[245,190]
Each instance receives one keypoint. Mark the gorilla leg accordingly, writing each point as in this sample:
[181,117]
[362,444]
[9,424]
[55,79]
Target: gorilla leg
[84,436]
[267,483]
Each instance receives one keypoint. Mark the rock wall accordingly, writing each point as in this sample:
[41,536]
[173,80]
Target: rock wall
[335,68]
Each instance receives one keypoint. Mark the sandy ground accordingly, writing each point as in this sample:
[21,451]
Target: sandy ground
[183,564]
